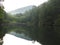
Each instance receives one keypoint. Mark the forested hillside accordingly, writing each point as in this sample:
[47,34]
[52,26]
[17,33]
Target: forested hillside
[41,23]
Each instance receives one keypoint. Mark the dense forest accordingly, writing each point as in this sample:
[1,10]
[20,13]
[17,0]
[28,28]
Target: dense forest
[41,23]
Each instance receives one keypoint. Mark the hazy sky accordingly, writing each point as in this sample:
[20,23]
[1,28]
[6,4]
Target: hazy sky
[14,4]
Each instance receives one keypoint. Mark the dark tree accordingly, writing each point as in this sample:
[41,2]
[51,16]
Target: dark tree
[3,23]
[46,23]
[49,23]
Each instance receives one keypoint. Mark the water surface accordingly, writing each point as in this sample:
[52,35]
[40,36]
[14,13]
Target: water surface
[13,40]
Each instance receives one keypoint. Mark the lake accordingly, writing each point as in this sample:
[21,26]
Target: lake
[13,40]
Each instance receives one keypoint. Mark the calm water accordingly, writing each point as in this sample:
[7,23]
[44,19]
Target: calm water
[13,40]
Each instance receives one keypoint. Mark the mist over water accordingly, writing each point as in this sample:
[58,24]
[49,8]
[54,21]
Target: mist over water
[13,40]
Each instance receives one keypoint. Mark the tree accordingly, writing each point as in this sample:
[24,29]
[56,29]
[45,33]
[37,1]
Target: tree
[43,23]
[45,26]
[2,23]
[48,33]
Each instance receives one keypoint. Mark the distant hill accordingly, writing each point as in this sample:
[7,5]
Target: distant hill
[22,10]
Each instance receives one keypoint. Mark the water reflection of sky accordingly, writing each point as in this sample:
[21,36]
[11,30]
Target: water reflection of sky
[13,40]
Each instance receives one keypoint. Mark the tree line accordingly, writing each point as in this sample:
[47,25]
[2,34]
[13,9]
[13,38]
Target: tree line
[42,22]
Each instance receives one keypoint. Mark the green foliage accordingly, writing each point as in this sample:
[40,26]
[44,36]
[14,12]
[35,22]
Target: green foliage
[3,30]
[41,23]
[49,23]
